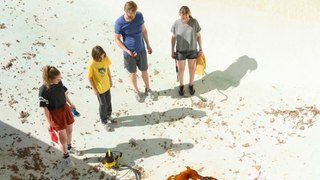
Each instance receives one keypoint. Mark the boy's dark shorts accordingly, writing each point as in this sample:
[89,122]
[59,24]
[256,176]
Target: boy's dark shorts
[183,55]
[140,61]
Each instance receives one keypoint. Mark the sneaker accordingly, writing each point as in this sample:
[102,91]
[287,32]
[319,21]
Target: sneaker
[75,152]
[68,162]
[112,120]
[150,93]
[138,96]
[181,90]
[191,90]
[107,127]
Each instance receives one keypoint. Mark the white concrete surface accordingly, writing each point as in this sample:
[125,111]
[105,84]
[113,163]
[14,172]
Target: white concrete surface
[228,138]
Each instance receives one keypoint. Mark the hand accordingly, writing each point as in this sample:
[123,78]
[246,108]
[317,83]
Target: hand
[174,55]
[72,106]
[111,84]
[95,92]
[200,52]
[132,54]
[149,50]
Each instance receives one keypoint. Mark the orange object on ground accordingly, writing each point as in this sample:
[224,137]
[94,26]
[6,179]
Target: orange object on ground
[201,64]
[189,174]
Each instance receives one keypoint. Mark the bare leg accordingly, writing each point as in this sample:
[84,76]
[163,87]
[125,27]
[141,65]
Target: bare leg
[191,64]
[69,133]
[133,79]
[63,141]
[145,78]
[181,67]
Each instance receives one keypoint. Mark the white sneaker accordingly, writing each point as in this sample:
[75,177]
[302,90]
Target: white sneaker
[107,127]
[138,96]
[68,162]
[150,93]
[112,120]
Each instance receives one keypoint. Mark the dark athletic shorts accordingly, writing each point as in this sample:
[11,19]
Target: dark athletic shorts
[140,61]
[183,55]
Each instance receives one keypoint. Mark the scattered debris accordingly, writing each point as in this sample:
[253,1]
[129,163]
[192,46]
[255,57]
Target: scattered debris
[3,26]
[24,115]
[133,143]
[14,168]
[299,118]
[38,43]
[155,72]
[28,55]
[202,105]
[142,172]
[7,44]
[9,64]
[246,145]
[171,153]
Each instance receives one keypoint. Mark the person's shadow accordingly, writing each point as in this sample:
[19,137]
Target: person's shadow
[170,116]
[219,80]
[138,149]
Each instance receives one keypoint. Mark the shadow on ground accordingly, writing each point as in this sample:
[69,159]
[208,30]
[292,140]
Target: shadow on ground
[138,149]
[25,157]
[171,115]
[218,80]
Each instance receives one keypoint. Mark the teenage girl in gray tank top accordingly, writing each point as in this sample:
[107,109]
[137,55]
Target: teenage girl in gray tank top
[185,39]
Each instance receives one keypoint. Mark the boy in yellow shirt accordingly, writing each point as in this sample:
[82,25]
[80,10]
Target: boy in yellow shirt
[99,76]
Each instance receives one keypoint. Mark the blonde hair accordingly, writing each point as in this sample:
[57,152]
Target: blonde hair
[185,10]
[48,74]
[130,6]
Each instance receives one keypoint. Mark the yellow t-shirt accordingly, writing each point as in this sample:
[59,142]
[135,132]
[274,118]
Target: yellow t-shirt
[98,71]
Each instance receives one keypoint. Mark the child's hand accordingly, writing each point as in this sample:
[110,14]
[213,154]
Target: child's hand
[111,84]
[95,92]
[72,106]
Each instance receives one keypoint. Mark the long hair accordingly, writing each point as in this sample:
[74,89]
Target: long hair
[48,74]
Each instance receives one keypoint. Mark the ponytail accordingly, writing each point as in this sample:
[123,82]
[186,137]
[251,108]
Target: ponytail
[48,74]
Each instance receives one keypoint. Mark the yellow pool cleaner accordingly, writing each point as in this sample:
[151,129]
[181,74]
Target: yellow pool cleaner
[111,159]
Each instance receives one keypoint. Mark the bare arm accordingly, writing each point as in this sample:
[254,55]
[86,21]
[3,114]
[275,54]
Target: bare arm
[95,91]
[173,43]
[199,40]
[146,38]
[110,79]
[47,116]
[117,38]
[145,34]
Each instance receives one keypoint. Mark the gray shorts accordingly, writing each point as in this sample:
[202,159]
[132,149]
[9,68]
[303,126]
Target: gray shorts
[140,61]
[183,55]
